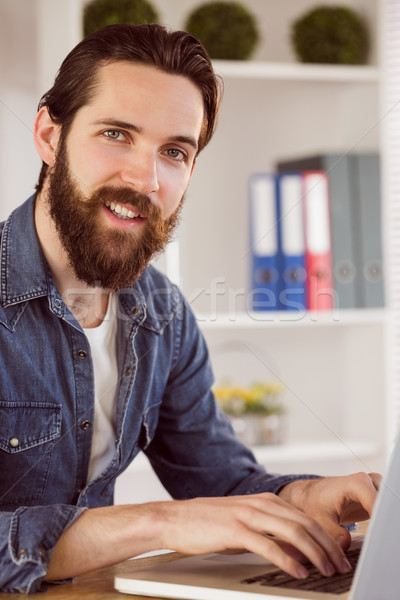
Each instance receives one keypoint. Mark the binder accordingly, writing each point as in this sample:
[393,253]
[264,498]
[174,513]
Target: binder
[318,249]
[265,242]
[290,192]
[347,272]
[366,180]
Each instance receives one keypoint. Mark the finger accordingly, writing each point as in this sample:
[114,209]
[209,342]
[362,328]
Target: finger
[291,550]
[361,488]
[303,533]
[271,550]
[313,542]
[328,534]
[338,533]
[376,479]
[343,539]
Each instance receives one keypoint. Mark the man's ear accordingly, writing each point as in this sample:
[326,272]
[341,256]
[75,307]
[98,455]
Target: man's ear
[46,135]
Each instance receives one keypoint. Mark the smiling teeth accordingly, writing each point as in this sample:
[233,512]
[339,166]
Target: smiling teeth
[121,211]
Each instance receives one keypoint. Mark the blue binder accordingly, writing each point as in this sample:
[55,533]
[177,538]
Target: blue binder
[266,268]
[290,198]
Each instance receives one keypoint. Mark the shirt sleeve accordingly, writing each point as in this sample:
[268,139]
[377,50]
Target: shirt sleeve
[195,451]
[27,540]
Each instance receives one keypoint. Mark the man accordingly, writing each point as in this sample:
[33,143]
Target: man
[100,354]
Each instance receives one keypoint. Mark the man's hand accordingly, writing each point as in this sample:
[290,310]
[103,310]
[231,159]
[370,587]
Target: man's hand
[261,523]
[333,501]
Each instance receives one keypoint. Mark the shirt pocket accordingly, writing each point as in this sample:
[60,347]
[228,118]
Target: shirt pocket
[28,434]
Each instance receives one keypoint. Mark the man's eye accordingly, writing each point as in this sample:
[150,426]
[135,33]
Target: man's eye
[175,153]
[114,134]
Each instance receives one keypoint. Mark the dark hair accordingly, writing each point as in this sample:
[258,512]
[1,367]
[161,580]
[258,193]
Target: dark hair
[177,52]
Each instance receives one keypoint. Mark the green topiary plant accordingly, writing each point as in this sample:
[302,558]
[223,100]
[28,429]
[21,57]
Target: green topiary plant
[331,34]
[226,29]
[109,12]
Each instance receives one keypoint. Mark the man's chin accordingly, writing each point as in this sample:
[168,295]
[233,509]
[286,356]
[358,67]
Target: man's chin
[110,274]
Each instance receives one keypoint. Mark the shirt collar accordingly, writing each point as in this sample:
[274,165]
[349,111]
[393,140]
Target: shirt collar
[24,271]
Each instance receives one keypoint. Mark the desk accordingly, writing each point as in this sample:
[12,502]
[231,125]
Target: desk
[96,585]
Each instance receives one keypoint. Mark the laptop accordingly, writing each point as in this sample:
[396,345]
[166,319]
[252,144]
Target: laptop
[249,577]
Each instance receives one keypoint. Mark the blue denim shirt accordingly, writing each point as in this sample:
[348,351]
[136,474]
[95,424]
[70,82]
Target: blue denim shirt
[164,406]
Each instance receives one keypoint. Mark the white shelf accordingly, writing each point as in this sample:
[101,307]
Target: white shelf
[294,453]
[268,319]
[297,71]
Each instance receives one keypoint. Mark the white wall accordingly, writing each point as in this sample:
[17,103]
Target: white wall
[18,165]
[34,37]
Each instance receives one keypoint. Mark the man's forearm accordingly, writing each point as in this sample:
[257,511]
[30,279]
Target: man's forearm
[104,536]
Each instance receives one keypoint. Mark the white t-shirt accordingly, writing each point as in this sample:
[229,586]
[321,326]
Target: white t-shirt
[103,345]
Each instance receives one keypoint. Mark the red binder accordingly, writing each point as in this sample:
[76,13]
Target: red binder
[320,293]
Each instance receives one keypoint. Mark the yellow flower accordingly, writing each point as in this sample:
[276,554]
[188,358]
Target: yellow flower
[262,398]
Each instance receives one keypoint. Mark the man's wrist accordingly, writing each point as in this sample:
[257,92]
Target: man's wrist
[296,492]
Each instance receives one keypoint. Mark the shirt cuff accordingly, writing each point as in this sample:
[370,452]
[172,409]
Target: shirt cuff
[270,482]
[32,535]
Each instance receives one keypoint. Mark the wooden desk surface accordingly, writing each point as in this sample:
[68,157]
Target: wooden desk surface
[96,585]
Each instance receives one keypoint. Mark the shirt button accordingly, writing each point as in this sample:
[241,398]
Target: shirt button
[85,424]
[128,370]
[135,310]
[22,554]
[82,354]
[14,442]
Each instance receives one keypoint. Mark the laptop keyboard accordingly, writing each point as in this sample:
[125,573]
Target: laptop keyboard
[316,582]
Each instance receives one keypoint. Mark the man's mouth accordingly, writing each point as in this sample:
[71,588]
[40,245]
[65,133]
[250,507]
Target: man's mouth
[122,212]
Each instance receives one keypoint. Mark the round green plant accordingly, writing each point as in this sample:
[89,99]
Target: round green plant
[331,34]
[99,13]
[226,29]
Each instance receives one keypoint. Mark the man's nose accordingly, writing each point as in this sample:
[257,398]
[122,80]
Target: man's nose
[141,173]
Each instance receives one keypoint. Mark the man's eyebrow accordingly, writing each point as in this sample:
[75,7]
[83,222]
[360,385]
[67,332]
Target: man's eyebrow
[183,139]
[119,124]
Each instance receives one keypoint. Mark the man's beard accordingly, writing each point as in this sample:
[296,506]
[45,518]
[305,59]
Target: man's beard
[99,254]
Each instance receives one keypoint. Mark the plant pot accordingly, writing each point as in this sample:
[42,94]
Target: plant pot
[258,429]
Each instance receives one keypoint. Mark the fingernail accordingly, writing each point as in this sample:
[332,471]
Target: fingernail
[346,566]
[302,572]
[339,538]
[328,569]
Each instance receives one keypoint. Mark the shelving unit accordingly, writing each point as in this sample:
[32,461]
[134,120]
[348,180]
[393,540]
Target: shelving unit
[263,120]
[331,364]
[296,71]
[298,319]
